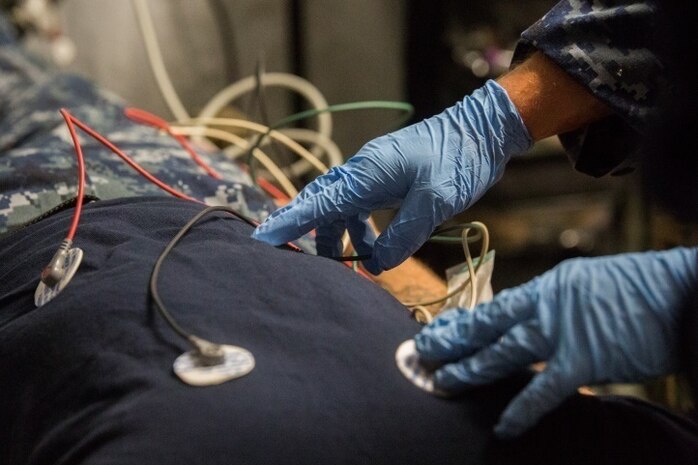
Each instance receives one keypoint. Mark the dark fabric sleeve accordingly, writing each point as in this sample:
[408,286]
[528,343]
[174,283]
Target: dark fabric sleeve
[607,46]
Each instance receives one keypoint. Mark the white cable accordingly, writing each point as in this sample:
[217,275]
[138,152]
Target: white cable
[334,154]
[225,136]
[285,80]
[320,139]
[346,242]
[234,91]
[328,146]
[472,270]
[157,64]
[422,314]
[261,129]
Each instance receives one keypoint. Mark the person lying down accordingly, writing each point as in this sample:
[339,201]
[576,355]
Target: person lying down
[88,376]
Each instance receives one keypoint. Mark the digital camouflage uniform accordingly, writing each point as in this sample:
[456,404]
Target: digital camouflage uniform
[613,49]
[607,46]
[38,168]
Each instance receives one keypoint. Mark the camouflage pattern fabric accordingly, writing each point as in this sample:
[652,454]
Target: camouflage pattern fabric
[38,168]
[607,46]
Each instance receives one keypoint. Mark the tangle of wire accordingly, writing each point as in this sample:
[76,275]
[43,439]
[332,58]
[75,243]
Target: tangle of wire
[155,274]
[320,140]
[419,310]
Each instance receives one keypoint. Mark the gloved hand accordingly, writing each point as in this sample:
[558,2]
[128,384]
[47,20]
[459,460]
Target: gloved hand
[432,170]
[608,319]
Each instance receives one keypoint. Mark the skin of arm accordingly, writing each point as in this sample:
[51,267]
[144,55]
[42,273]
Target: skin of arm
[550,101]
[413,281]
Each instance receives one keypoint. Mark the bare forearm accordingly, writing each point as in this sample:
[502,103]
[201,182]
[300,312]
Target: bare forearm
[412,281]
[549,100]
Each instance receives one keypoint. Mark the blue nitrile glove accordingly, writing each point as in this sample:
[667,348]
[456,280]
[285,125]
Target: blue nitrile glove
[432,170]
[595,320]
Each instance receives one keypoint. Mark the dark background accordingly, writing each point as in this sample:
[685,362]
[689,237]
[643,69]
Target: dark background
[429,53]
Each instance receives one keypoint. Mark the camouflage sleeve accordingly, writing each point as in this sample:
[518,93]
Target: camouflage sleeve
[37,159]
[607,46]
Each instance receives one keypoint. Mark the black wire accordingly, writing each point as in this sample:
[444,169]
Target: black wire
[261,97]
[260,93]
[438,232]
[155,295]
[155,274]
[442,230]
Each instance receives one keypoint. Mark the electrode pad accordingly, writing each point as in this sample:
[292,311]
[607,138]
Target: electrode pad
[406,356]
[236,362]
[44,293]
[407,361]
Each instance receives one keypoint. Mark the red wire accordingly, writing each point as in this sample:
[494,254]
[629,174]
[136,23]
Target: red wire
[364,274]
[70,121]
[272,190]
[104,141]
[144,117]
[81,175]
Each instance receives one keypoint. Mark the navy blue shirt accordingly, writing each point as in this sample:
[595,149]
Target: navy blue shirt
[87,378]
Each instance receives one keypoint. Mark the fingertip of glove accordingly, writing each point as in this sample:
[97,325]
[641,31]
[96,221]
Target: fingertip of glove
[421,342]
[446,379]
[508,428]
[513,422]
[426,349]
[382,259]
[259,234]
[265,233]
[502,431]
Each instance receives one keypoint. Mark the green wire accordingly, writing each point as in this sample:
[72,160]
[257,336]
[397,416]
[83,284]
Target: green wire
[352,106]
[440,235]
[445,240]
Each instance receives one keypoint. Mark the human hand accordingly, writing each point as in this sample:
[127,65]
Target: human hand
[597,320]
[432,170]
